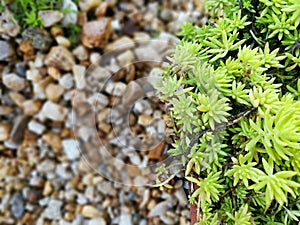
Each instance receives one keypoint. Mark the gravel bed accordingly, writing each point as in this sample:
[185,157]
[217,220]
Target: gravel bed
[81,130]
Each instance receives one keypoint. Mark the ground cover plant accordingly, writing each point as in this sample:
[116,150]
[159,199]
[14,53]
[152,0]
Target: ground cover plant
[233,92]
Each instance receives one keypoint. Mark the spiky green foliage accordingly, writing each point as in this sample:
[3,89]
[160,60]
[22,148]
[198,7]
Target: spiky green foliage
[233,87]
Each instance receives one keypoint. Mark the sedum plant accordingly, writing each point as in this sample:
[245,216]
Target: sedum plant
[233,87]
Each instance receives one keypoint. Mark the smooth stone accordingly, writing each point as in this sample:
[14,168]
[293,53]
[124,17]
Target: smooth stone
[97,221]
[17,132]
[121,44]
[53,211]
[17,205]
[5,110]
[96,33]
[159,209]
[54,111]
[100,73]
[81,53]
[4,131]
[79,76]
[40,39]
[125,58]
[14,82]
[61,58]
[54,92]
[147,53]
[31,106]
[67,81]
[71,148]
[90,211]
[7,52]
[70,16]
[8,24]
[116,88]
[132,93]
[125,219]
[50,17]
[36,127]
[63,41]
[86,5]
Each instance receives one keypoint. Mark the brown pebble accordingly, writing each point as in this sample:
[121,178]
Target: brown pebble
[27,48]
[54,92]
[90,211]
[33,195]
[96,33]
[4,131]
[53,139]
[60,57]
[17,98]
[54,72]
[31,107]
[157,150]
[56,31]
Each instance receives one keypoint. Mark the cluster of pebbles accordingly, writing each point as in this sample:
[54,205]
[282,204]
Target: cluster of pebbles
[81,129]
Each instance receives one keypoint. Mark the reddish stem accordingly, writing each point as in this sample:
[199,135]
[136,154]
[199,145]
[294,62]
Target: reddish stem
[193,207]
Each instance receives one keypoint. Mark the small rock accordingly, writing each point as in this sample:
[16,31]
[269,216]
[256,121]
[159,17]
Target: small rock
[125,219]
[157,150]
[4,131]
[21,69]
[62,41]
[159,209]
[71,148]
[53,211]
[50,17]
[97,221]
[53,139]
[53,111]
[80,53]
[71,14]
[14,82]
[27,48]
[125,58]
[79,76]
[8,24]
[31,107]
[146,53]
[121,44]
[95,58]
[47,188]
[36,127]
[17,205]
[17,98]
[60,57]
[54,72]
[132,93]
[100,73]
[101,10]
[7,52]
[115,88]
[54,92]
[181,196]
[17,132]
[96,33]
[5,110]
[141,38]
[145,120]
[39,38]
[166,15]
[89,211]
[67,81]
[86,5]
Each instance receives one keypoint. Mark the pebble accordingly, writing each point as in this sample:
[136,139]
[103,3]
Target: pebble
[100,73]
[53,111]
[70,16]
[86,5]
[146,53]
[79,76]
[4,131]
[54,72]
[159,209]
[125,219]
[53,139]
[7,52]
[81,53]
[36,127]
[17,132]
[95,58]
[90,211]
[141,38]
[145,120]
[62,41]
[54,92]
[121,44]
[53,211]
[60,57]
[21,69]
[67,81]
[71,148]
[181,196]
[31,107]
[132,93]
[17,205]
[8,24]
[115,88]
[40,39]
[125,58]
[5,110]
[96,33]
[50,17]
[14,82]
[97,221]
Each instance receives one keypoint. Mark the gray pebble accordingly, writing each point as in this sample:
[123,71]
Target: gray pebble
[17,205]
